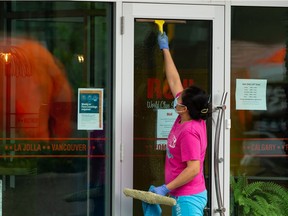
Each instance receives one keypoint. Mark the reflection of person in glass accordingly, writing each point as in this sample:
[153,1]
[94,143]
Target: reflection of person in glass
[38,95]
[186,144]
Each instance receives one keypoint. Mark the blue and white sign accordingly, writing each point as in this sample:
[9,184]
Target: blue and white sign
[90,109]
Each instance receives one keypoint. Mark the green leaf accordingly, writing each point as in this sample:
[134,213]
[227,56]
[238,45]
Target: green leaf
[259,198]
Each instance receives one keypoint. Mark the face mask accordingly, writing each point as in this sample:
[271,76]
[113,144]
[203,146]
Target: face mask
[175,102]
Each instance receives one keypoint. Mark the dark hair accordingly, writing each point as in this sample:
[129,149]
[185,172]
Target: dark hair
[197,102]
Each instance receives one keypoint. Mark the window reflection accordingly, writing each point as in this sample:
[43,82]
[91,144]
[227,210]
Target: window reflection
[38,94]
[48,50]
[259,137]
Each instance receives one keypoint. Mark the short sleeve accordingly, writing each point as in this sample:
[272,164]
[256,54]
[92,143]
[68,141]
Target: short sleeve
[190,147]
[178,94]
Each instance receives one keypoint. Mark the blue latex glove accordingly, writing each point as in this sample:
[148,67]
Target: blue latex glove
[161,190]
[163,41]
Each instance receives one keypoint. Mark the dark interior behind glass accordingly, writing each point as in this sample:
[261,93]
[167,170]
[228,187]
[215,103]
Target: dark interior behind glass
[48,50]
[259,52]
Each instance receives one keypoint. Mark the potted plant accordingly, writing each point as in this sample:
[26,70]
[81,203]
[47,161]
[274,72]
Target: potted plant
[258,198]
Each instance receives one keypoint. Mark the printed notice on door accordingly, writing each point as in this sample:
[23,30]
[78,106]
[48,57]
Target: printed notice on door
[90,109]
[251,94]
[165,120]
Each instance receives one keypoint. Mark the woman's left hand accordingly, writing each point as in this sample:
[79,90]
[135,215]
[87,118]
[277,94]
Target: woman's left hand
[161,190]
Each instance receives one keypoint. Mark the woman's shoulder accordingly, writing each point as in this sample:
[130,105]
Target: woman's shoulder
[196,125]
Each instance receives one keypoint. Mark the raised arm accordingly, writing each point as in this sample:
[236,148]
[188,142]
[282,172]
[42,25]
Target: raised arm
[171,71]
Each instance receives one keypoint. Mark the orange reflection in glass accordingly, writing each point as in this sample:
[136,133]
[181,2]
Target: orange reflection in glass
[6,57]
[35,93]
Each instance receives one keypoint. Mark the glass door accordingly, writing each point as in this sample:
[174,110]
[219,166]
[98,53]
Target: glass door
[196,39]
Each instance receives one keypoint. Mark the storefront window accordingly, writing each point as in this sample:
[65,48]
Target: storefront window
[55,146]
[259,95]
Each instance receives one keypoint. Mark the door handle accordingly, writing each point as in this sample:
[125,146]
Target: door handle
[221,108]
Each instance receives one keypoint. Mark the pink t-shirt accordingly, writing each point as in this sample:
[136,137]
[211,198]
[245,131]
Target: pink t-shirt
[186,141]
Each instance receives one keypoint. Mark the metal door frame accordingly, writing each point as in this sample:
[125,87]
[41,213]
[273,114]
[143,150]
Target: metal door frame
[220,84]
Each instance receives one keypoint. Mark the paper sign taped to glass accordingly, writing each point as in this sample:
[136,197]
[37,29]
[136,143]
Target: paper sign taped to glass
[251,94]
[90,109]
